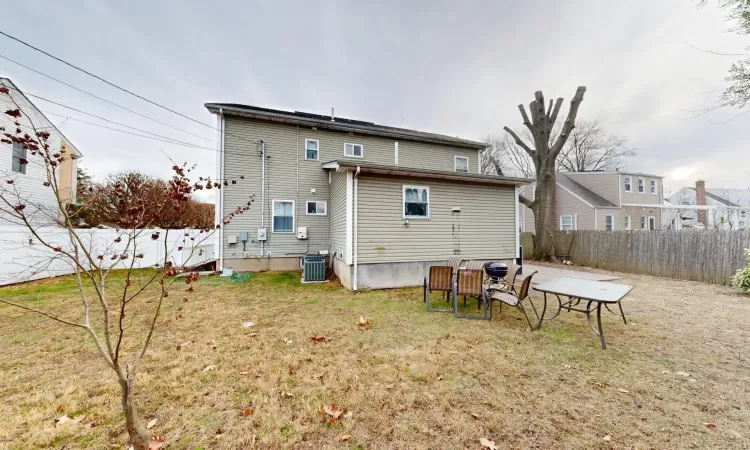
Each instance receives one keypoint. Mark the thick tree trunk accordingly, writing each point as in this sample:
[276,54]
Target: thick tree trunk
[544,218]
[139,438]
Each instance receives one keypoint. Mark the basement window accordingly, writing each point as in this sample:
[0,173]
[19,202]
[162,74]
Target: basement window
[416,202]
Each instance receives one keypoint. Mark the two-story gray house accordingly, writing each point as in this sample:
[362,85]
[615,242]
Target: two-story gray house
[384,203]
[602,200]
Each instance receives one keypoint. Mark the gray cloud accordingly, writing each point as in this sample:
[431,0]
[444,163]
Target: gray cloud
[458,68]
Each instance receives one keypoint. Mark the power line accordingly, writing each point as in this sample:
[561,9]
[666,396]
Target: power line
[103,99]
[107,120]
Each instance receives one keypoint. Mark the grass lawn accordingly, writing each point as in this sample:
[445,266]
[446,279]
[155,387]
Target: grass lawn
[677,376]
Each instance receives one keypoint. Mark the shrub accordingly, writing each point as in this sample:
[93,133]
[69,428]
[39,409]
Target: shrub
[741,279]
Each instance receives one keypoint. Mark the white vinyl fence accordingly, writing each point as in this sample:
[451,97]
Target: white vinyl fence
[23,258]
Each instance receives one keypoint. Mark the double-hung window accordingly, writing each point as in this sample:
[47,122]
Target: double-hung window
[627,222]
[461,164]
[643,222]
[416,202]
[653,187]
[312,149]
[316,208]
[628,184]
[641,185]
[609,223]
[353,150]
[19,158]
[283,216]
[566,223]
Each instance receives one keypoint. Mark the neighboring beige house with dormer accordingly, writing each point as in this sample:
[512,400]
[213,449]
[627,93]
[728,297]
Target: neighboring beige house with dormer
[384,203]
[602,200]
[29,178]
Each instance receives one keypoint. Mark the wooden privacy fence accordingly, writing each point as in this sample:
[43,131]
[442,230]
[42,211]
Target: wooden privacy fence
[707,256]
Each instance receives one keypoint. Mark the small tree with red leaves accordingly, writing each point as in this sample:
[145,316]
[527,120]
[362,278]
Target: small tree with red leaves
[107,309]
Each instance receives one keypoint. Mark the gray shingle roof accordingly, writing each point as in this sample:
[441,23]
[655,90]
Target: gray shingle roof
[586,194]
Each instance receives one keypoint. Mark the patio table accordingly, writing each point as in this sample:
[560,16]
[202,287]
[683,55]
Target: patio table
[593,292]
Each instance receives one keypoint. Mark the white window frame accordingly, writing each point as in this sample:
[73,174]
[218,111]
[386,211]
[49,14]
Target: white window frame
[611,222]
[648,223]
[273,223]
[317,142]
[628,184]
[362,150]
[562,227]
[307,203]
[455,165]
[403,201]
[628,222]
[653,187]
[643,223]
[14,157]
[641,185]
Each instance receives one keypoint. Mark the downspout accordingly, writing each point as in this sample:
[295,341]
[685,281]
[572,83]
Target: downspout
[220,192]
[296,200]
[596,225]
[356,214]
[262,193]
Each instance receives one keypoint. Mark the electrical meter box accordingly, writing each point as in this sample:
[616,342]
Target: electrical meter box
[262,236]
[302,233]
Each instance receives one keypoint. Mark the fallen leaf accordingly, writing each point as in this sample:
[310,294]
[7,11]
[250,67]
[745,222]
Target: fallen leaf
[486,443]
[248,324]
[624,391]
[219,430]
[608,438]
[346,437]
[475,416]
[364,322]
[184,345]
[151,424]
[285,394]
[62,420]
[209,368]
[333,410]
[440,378]
[288,342]
[319,339]
[348,415]
[682,374]
[389,386]
[248,411]
[710,425]
[157,443]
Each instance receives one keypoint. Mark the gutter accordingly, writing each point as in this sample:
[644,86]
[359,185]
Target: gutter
[356,214]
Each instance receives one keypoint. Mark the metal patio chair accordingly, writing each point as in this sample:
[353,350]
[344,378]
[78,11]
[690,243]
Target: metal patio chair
[510,284]
[517,299]
[440,280]
[469,283]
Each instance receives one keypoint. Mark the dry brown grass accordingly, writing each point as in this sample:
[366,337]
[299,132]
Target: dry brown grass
[414,380]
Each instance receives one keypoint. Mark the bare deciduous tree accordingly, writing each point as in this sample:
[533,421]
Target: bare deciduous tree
[508,156]
[120,318]
[544,157]
[588,149]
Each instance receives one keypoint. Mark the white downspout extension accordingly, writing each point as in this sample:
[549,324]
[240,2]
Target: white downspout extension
[262,193]
[356,214]
[219,214]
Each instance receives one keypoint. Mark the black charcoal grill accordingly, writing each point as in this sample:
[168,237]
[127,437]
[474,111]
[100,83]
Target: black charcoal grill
[496,271]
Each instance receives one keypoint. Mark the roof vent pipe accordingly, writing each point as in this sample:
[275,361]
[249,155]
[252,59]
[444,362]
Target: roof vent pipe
[333,118]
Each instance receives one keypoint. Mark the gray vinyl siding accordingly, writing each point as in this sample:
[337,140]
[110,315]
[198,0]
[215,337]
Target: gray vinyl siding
[603,184]
[484,229]
[635,217]
[527,216]
[337,214]
[432,156]
[569,205]
[646,197]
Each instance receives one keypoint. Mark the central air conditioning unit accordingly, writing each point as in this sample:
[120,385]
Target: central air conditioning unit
[313,268]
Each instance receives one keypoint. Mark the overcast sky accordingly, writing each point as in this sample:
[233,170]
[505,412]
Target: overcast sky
[457,68]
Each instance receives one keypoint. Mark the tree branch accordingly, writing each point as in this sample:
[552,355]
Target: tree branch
[569,124]
[520,143]
[526,201]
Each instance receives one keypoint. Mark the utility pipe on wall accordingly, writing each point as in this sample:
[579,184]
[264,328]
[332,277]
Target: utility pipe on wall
[356,217]
[262,192]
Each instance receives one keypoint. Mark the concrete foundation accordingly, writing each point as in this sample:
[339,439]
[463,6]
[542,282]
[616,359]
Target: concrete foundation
[395,275]
[257,264]
[343,271]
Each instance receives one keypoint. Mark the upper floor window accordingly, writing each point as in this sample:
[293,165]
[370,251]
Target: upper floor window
[353,150]
[628,184]
[641,185]
[19,158]
[653,187]
[566,223]
[283,216]
[461,164]
[416,202]
[316,208]
[311,149]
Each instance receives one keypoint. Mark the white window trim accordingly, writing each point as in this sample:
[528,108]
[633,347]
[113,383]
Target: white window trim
[628,183]
[403,202]
[644,223]
[611,220]
[571,222]
[455,165]
[639,185]
[629,225]
[317,142]
[316,202]
[648,223]
[354,156]
[294,218]
[655,185]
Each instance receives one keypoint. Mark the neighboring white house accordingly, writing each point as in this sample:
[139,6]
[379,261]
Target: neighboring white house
[709,208]
[28,179]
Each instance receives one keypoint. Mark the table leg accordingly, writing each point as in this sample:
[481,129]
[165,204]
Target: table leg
[622,313]
[599,322]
